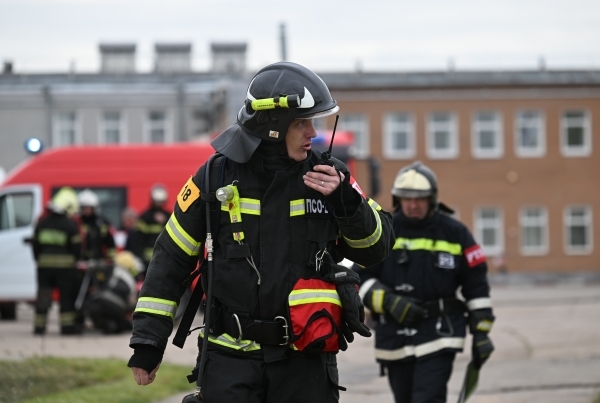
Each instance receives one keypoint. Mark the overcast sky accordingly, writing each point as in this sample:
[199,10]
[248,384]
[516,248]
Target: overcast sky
[324,35]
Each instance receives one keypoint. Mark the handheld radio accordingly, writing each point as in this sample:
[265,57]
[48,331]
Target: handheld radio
[325,158]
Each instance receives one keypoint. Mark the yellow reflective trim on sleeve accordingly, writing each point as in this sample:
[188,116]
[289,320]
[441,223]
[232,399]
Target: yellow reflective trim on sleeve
[187,244]
[297,207]
[156,306]
[377,301]
[374,204]
[311,296]
[428,244]
[371,239]
[189,194]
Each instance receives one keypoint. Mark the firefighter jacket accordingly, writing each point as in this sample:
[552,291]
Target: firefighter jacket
[97,238]
[56,242]
[148,227]
[282,226]
[430,261]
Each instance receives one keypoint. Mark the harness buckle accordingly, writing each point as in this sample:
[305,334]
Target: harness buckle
[286,327]
[319,259]
[237,320]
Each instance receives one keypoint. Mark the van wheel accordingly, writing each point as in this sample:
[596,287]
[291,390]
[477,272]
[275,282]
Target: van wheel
[8,311]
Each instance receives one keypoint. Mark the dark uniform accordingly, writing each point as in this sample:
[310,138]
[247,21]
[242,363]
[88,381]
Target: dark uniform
[431,260]
[98,241]
[147,228]
[56,247]
[261,253]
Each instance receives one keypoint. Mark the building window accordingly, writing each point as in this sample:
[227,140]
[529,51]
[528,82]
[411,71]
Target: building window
[398,136]
[65,129]
[111,131]
[157,127]
[530,140]
[442,135]
[487,140]
[534,230]
[358,124]
[576,138]
[578,230]
[489,230]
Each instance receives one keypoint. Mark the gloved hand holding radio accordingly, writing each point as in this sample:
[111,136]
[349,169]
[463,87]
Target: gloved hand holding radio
[353,310]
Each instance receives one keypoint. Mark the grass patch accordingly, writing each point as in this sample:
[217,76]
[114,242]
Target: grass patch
[84,380]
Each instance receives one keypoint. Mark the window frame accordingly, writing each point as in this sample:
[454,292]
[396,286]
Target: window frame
[567,224]
[540,150]
[453,126]
[358,132]
[123,138]
[543,248]
[7,199]
[478,227]
[586,149]
[498,129]
[168,129]
[77,128]
[389,129]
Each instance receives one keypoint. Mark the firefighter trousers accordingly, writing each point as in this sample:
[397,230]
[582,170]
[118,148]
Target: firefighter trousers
[298,379]
[421,380]
[66,280]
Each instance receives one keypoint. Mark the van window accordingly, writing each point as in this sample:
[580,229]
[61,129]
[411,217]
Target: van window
[113,201]
[16,210]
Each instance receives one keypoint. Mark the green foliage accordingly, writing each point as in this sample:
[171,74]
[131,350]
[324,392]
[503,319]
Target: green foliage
[84,380]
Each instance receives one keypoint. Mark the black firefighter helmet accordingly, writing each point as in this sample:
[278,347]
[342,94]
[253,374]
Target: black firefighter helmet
[277,94]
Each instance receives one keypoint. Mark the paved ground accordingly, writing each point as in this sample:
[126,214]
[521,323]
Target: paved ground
[547,340]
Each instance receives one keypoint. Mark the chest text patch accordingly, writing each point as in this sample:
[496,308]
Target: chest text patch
[188,194]
[446,261]
[316,208]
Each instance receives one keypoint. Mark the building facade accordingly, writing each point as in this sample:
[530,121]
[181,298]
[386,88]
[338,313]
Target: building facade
[513,152]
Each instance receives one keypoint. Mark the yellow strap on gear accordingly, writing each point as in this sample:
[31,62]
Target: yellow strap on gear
[234,207]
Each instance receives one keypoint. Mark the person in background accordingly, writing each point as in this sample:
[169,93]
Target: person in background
[123,236]
[412,295]
[97,239]
[56,248]
[150,224]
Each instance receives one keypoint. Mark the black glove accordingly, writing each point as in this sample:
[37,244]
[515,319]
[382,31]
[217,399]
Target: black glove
[145,356]
[353,310]
[403,309]
[482,349]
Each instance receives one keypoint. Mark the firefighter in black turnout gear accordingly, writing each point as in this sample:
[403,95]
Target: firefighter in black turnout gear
[150,224]
[98,241]
[281,307]
[56,247]
[412,295]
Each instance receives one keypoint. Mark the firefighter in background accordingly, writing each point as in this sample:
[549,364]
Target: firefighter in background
[285,216]
[97,239]
[56,247]
[150,223]
[420,324]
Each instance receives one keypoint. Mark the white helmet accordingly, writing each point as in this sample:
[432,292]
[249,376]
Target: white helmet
[87,198]
[159,194]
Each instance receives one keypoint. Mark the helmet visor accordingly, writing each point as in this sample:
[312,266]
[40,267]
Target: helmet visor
[321,114]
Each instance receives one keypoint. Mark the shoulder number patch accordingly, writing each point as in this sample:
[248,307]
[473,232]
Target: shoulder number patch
[189,194]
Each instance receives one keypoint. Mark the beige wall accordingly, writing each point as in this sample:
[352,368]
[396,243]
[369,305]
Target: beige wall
[552,181]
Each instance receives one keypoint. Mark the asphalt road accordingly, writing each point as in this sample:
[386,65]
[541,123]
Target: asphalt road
[547,340]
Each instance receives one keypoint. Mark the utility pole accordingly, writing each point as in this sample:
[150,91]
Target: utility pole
[283,42]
